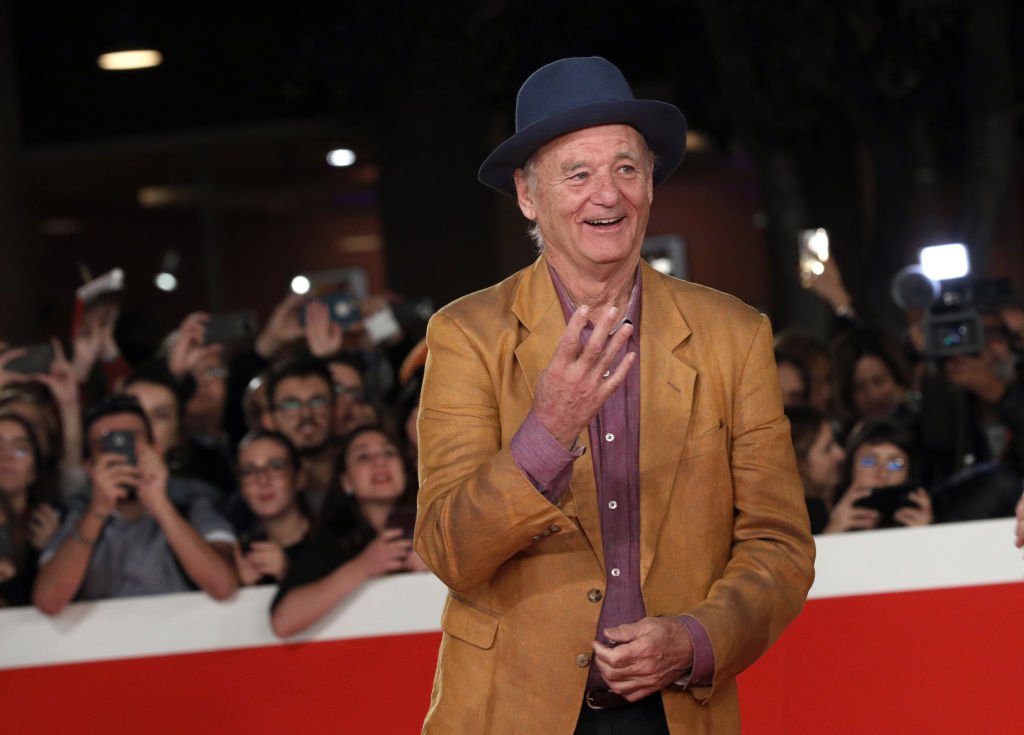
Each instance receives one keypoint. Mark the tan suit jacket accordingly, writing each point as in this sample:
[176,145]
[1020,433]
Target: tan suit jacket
[724,531]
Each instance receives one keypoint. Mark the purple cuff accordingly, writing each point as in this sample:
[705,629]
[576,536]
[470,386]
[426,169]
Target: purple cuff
[545,462]
[702,673]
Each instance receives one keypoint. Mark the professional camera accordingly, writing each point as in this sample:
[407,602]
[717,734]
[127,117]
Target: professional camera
[952,323]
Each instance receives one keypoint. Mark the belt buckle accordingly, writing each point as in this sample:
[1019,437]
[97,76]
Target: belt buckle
[599,699]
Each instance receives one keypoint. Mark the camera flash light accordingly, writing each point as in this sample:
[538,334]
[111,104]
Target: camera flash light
[300,285]
[945,262]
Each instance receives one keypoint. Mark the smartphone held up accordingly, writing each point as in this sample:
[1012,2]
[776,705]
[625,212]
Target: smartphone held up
[813,254]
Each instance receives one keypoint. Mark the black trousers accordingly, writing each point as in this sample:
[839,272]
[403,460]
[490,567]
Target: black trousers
[646,717]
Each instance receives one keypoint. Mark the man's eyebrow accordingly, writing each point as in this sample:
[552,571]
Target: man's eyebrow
[570,166]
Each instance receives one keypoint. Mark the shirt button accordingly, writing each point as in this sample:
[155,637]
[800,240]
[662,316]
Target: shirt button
[616,572]
[607,373]
[583,660]
[554,529]
[609,437]
[594,595]
[612,504]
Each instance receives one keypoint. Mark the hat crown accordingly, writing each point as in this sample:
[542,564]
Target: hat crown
[568,84]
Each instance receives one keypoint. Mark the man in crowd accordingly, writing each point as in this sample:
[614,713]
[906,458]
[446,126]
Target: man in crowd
[130,539]
[607,482]
[301,404]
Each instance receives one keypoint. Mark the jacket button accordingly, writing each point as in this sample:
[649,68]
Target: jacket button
[583,660]
[539,537]
[594,595]
[554,529]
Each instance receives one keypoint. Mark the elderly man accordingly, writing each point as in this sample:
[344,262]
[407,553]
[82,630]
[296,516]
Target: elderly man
[607,482]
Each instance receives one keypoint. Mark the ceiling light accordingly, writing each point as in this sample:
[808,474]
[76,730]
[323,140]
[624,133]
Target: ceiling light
[341,157]
[133,59]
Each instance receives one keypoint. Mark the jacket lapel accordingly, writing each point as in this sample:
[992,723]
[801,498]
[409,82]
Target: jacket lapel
[537,307]
[666,390]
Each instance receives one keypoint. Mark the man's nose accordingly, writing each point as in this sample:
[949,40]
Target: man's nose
[606,189]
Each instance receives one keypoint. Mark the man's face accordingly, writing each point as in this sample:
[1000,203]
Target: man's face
[590,191]
[161,407]
[301,410]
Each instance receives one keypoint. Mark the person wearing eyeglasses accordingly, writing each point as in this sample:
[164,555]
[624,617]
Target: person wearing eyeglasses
[270,475]
[301,400]
[878,456]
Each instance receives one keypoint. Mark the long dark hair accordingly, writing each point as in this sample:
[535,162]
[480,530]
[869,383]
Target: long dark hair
[342,523]
[42,490]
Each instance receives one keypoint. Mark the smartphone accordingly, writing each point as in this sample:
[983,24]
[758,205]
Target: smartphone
[403,518]
[120,442]
[887,500]
[231,327]
[246,540]
[813,254]
[123,443]
[342,307]
[38,358]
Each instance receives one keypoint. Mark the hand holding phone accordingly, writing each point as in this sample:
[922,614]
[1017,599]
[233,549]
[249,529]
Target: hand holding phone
[404,519]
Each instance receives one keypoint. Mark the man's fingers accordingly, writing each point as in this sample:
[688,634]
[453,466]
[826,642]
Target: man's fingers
[569,345]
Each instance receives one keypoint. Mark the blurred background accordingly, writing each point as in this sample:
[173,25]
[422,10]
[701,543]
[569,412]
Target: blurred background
[893,124]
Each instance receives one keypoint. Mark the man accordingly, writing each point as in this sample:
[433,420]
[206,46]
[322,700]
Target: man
[610,496]
[131,539]
[301,400]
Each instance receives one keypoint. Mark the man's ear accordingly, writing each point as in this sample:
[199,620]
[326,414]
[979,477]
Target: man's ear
[523,195]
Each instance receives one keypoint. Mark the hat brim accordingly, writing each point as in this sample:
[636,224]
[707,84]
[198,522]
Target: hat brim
[662,125]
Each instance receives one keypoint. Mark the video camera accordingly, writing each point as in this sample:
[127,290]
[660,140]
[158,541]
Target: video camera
[952,301]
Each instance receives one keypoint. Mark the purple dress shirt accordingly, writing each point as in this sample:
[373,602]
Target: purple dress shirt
[614,441]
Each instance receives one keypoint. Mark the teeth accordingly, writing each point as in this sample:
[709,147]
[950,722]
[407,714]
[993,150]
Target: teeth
[603,221]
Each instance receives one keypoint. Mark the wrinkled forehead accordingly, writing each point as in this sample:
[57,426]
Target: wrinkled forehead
[602,140]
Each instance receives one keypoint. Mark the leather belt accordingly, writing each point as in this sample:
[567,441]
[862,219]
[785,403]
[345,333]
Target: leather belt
[604,699]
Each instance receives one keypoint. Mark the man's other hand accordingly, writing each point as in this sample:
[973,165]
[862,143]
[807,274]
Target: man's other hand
[650,654]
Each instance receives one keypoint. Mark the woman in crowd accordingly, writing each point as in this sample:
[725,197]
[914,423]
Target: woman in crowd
[356,541]
[819,459]
[270,475]
[874,376]
[28,509]
[879,456]
[812,353]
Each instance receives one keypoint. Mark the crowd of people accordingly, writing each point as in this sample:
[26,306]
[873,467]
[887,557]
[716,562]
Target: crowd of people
[887,433]
[291,459]
[288,459]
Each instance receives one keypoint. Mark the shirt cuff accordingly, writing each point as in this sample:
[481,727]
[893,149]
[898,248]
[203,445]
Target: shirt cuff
[702,673]
[545,462]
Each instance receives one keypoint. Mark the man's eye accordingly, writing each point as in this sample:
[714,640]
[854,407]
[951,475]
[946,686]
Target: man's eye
[627,169]
[581,176]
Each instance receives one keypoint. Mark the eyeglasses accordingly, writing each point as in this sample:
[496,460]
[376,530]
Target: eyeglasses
[356,394]
[272,469]
[294,405]
[16,449]
[893,465]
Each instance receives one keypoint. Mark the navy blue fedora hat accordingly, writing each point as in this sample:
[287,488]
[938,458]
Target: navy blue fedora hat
[581,92]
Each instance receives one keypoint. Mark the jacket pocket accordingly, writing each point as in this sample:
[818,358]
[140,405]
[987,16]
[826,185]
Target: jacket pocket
[711,439]
[468,622]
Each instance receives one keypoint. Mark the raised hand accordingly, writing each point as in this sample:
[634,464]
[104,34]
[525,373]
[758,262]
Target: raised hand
[323,335]
[579,378]
[190,347]
[282,327]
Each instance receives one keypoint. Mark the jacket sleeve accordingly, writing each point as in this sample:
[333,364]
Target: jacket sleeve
[477,509]
[771,566]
